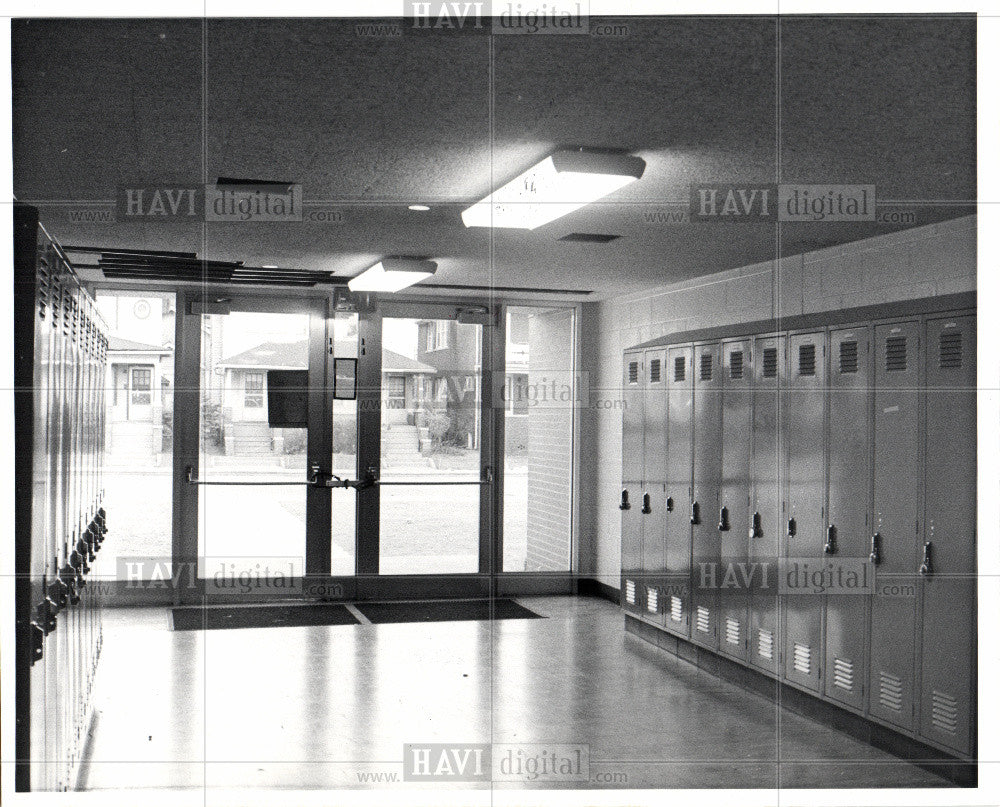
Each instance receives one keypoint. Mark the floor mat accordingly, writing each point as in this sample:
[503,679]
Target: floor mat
[445,611]
[263,616]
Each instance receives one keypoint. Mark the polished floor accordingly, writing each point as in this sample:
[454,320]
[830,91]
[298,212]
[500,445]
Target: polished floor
[332,706]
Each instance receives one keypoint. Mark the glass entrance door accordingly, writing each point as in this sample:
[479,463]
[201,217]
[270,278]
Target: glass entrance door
[432,467]
[265,422]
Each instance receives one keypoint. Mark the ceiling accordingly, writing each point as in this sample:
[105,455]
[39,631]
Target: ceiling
[369,125]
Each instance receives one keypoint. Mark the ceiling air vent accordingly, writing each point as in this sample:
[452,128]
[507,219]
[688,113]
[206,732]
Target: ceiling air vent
[770,362]
[679,368]
[807,359]
[950,350]
[590,238]
[654,371]
[736,364]
[895,353]
[848,357]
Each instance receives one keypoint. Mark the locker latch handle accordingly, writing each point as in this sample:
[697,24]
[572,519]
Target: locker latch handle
[646,509]
[670,504]
[37,641]
[625,505]
[791,528]
[927,567]
[755,528]
[831,540]
[724,519]
[695,513]
[876,555]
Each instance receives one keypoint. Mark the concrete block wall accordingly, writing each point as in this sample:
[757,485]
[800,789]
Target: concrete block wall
[920,262]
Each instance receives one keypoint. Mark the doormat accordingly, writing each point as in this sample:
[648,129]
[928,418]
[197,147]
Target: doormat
[262,616]
[445,611]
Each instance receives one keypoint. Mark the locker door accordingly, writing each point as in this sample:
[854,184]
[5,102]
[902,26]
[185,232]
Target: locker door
[896,509]
[707,465]
[949,584]
[849,482]
[768,376]
[734,499]
[653,510]
[631,494]
[805,485]
[680,399]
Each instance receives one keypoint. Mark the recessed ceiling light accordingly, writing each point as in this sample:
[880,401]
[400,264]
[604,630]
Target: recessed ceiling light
[392,274]
[419,207]
[559,184]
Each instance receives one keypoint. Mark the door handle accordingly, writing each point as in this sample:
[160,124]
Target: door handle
[646,509]
[927,567]
[755,528]
[625,505]
[695,513]
[724,519]
[831,540]
[876,555]
[791,528]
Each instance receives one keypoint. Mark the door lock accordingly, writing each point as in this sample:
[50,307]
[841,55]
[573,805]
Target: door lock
[724,519]
[831,540]
[876,555]
[755,528]
[927,567]
[625,505]
[791,528]
[695,513]
[646,509]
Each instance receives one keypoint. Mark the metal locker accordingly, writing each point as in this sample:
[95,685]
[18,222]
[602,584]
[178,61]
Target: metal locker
[893,547]
[653,509]
[677,507]
[705,510]
[948,562]
[803,420]
[848,499]
[765,520]
[631,493]
[734,499]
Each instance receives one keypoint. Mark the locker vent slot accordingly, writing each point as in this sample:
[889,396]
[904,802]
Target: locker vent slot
[890,691]
[765,643]
[654,371]
[732,631]
[736,364]
[807,359]
[770,362]
[843,674]
[944,711]
[633,372]
[706,367]
[676,608]
[895,353]
[652,600]
[679,368]
[848,357]
[950,350]
[701,620]
[802,658]
[630,592]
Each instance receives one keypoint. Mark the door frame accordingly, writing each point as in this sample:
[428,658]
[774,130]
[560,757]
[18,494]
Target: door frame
[191,305]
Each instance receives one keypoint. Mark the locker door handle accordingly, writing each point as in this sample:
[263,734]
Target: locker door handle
[670,504]
[876,555]
[791,528]
[724,519]
[695,513]
[755,527]
[927,567]
[37,641]
[625,505]
[646,509]
[831,540]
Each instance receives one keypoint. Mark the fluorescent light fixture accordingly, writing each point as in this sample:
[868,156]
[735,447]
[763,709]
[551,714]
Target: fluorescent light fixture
[392,274]
[559,184]
[419,207]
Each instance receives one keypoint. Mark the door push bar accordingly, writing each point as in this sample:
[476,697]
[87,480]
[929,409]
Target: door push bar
[323,479]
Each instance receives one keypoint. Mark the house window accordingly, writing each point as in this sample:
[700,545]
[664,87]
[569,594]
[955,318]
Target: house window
[437,334]
[253,390]
[396,392]
[142,385]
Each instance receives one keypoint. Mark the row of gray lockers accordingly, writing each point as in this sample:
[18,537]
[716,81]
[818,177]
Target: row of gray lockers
[804,502]
[60,357]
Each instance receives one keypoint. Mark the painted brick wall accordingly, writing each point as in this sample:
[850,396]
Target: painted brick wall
[920,262]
